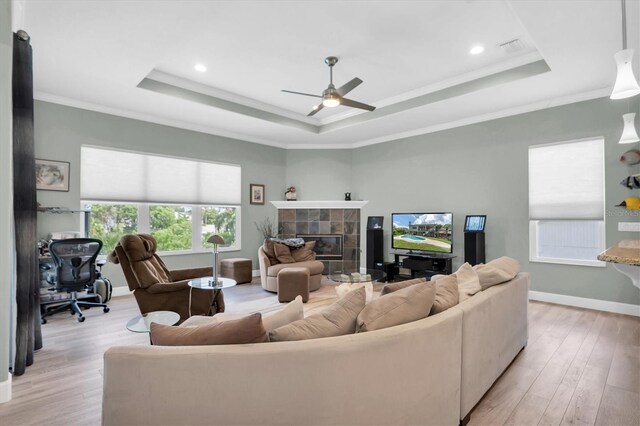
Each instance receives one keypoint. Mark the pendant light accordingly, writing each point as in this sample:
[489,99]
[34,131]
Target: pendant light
[629,134]
[626,83]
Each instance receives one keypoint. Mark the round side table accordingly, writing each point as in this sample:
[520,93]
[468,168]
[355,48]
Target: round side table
[206,283]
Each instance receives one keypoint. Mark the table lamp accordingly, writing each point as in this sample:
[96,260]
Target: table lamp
[215,239]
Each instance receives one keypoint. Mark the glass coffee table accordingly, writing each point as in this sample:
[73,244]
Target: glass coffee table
[142,323]
[206,283]
[350,281]
[369,275]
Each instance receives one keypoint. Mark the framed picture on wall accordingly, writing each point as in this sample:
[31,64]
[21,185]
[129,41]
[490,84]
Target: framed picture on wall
[257,193]
[52,175]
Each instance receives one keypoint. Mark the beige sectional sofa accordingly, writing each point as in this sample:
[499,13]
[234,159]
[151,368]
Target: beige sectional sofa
[431,371]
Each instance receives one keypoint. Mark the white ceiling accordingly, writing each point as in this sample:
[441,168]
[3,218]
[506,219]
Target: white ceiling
[136,58]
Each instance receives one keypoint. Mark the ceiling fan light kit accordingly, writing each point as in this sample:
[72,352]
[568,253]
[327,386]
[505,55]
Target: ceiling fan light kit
[332,97]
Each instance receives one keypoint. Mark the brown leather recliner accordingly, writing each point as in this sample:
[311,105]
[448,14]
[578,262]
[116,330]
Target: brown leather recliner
[155,287]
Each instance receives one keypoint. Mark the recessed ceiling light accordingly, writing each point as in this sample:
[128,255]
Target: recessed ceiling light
[476,50]
[200,68]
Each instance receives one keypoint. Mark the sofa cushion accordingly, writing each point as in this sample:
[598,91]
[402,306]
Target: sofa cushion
[468,282]
[304,253]
[267,247]
[497,271]
[248,329]
[283,253]
[400,307]
[446,294]
[292,311]
[315,267]
[336,320]
[390,288]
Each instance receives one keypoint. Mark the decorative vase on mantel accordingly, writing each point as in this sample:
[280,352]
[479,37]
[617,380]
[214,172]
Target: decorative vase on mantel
[290,195]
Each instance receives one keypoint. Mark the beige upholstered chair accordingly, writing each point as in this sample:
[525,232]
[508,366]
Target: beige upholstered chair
[269,272]
[155,287]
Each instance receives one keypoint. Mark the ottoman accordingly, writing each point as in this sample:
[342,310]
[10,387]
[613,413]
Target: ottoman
[237,269]
[293,282]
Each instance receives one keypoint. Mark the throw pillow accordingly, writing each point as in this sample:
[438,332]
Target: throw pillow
[283,253]
[244,330]
[468,282]
[390,288]
[304,253]
[293,311]
[406,305]
[267,247]
[497,271]
[336,320]
[446,294]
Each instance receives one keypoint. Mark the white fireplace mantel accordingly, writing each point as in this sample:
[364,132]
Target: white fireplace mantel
[339,204]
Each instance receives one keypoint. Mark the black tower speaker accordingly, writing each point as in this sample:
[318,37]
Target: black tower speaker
[374,247]
[474,247]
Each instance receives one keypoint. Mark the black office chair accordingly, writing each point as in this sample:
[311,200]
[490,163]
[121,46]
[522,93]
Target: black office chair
[75,262]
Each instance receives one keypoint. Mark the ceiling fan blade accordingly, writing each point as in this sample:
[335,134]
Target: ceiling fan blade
[354,104]
[346,88]
[315,110]
[300,93]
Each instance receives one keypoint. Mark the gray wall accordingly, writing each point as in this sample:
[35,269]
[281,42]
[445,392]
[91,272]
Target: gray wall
[319,174]
[60,132]
[6,187]
[482,169]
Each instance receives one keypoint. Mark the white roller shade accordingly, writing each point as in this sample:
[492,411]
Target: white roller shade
[110,175]
[566,180]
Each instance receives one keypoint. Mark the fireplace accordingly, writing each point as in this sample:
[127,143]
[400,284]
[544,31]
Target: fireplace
[328,246]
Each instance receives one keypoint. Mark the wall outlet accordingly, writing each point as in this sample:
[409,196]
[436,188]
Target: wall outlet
[629,226]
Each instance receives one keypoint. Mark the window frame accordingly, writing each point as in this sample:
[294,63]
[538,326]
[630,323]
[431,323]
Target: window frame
[533,248]
[144,224]
[533,223]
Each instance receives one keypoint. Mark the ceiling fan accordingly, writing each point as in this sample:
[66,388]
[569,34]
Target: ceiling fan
[332,97]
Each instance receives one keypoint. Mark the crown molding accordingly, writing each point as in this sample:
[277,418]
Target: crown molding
[61,100]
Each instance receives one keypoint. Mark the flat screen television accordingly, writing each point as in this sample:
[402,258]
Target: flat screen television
[475,223]
[422,232]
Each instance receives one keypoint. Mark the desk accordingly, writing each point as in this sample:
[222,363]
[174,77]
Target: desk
[206,283]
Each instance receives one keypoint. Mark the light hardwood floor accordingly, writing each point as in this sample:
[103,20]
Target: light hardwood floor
[579,367]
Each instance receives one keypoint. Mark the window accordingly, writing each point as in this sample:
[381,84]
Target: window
[180,202]
[566,202]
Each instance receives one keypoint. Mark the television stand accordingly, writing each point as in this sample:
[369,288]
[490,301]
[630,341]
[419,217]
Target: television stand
[424,264]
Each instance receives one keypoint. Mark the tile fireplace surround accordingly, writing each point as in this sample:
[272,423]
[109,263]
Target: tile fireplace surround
[324,218]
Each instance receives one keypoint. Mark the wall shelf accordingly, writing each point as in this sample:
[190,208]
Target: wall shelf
[338,204]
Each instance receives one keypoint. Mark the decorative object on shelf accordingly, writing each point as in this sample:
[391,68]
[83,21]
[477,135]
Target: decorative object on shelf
[267,228]
[52,175]
[629,133]
[630,203]
[626,84]
[290,195]
[257,193]
[216,240]
[631,157]
[347,196]
[631,182]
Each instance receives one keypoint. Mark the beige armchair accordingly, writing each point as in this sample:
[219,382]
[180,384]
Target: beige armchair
[155,287]
[269,272]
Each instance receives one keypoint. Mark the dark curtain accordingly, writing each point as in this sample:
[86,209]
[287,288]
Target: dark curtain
[28,332]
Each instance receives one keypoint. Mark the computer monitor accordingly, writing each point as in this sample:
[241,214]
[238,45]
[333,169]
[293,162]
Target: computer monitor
[475,223]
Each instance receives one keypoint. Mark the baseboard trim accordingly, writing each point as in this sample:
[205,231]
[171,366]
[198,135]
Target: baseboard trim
[255,272]
[5,390]
[120,291]
[583,302]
